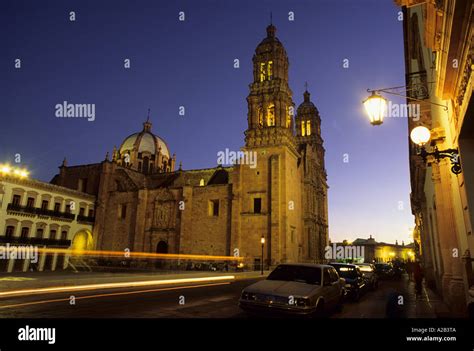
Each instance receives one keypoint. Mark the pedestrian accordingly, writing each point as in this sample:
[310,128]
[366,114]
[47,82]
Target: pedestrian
[418,276]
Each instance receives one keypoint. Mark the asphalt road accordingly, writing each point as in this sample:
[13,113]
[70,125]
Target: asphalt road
[216,300]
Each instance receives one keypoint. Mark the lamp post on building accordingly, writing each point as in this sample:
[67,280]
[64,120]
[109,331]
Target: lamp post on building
[262,241]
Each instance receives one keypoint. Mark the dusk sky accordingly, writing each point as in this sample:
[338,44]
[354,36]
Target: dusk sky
[191,64]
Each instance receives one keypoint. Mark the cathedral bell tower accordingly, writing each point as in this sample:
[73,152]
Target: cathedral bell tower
[270,104]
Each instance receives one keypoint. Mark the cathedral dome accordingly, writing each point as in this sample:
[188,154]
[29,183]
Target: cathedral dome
[144,141]
[271,43]
[307,106]
[145,152]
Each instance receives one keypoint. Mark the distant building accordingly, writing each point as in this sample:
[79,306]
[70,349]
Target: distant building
[381,252]
[42,215]
[145,204]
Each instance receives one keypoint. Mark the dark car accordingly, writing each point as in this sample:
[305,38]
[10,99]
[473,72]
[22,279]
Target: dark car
[356,285]
[384,271]
[370,276]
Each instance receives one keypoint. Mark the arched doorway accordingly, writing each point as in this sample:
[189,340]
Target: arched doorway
[161,248]
[82,241]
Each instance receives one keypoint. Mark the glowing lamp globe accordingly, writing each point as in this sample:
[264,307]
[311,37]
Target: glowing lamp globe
[420,135]
[375,105]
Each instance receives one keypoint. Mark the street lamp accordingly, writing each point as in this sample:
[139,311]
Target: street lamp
[262,241]
[375,105]
[421,135]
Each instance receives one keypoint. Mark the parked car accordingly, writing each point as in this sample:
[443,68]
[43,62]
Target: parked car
[384,271]
[355,283]
[301,289]
[369,274]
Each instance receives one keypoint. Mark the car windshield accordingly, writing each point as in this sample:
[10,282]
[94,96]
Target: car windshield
[347,272]
[300,274]
[365,268]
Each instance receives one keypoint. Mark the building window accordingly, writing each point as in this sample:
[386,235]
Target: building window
[263,72]
[288,117]
[214,208]
[269,70]
[57,206]
[30,202]
[271,115]
[52,234]
[123,211]
[82,210]
[39,233]
[91,212]
[303,128]
[308,127]
[9,231]
[68,208]
[64,235]
[44,204]
[24,232]
[266,71]
[260,117]
[201,182]
[16,200]
[257,205]
[139,166]
[82,185]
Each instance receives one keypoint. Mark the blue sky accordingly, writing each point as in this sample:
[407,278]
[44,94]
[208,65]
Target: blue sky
[190,64]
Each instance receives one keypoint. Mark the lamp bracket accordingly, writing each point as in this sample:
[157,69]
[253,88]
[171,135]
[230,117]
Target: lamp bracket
[452,154]
[414,87]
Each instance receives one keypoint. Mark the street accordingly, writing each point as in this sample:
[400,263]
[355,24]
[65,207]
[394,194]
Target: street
[217,299]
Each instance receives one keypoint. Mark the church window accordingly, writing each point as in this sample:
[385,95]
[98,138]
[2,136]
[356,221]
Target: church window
[140,155]
[303,128]
[308,127]
[262,72]
[270,70]
[271,115]
[288,118]
[139,166]
[257,205]
[260,117]
[123,211]
[214,208]
[201,182]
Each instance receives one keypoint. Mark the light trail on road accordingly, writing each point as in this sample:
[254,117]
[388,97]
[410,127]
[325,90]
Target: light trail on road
[101,286]
[41,302]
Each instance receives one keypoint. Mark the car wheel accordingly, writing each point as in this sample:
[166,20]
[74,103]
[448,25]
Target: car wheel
[356,295]
[340,303]
[320,309]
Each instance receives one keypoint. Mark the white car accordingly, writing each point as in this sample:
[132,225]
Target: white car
[304,289]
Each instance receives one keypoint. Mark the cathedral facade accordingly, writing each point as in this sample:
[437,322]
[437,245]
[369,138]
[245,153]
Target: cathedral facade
[145,204]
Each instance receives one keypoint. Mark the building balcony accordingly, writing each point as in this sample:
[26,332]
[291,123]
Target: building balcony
[87,219]
[12,240]
[28,210]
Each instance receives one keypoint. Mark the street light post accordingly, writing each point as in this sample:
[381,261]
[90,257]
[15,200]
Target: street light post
[262,241]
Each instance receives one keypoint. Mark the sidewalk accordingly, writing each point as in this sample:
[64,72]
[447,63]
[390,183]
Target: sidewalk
[428,305]
[14,281]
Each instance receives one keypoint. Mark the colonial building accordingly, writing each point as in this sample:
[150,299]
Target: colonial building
[145,204]
[42,215]
[439,49]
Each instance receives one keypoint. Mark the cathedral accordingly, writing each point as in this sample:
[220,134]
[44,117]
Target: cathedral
[145,203]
